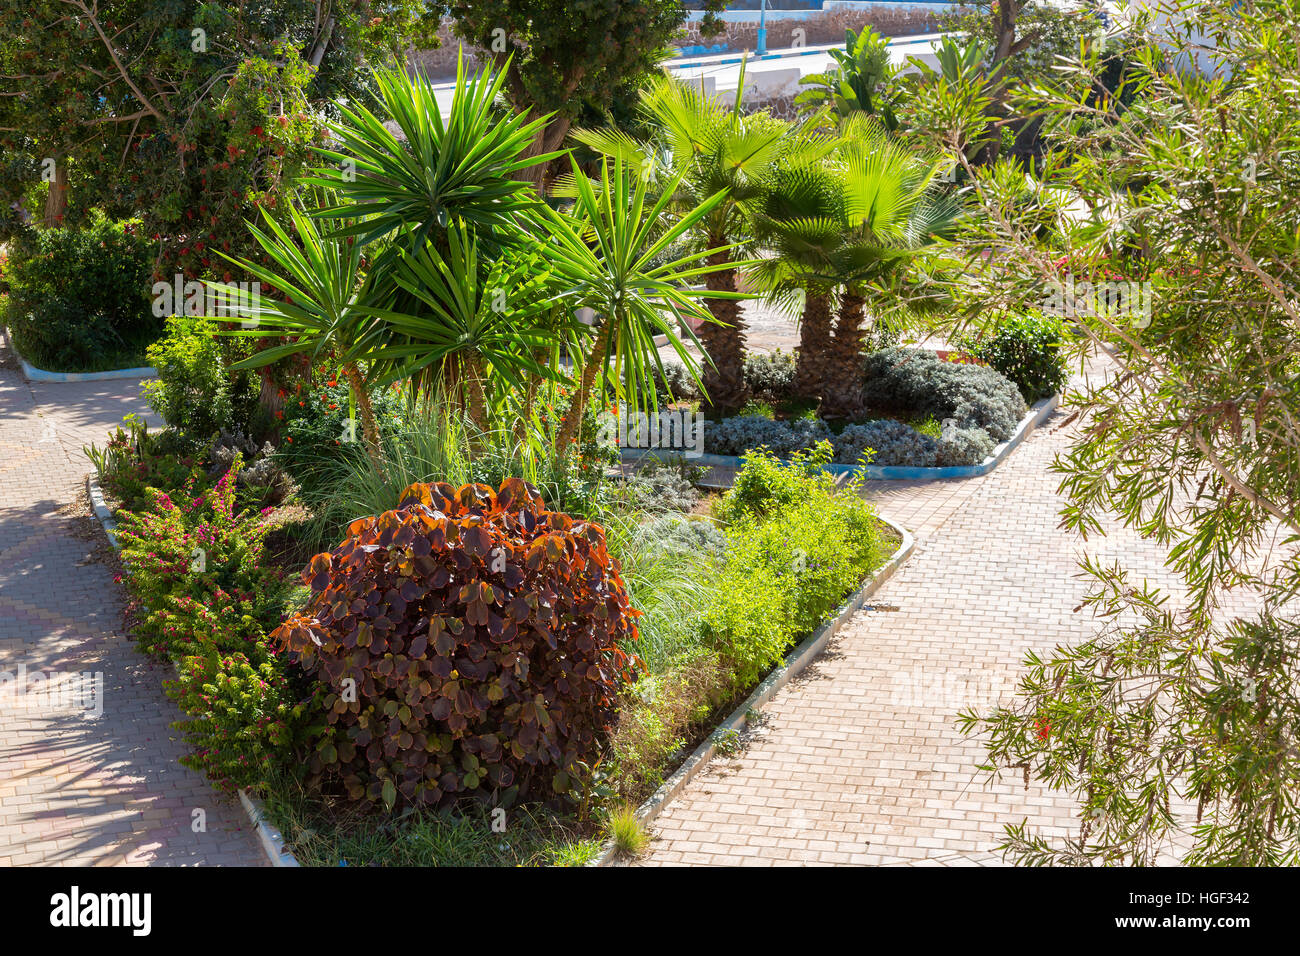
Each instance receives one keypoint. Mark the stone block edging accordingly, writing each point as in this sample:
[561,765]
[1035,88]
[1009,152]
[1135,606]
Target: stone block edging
[40,375]
[795,662]
[1037,414]
[268,837]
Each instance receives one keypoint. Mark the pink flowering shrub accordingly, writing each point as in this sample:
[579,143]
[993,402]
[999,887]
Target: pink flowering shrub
[196,574]
[203,597]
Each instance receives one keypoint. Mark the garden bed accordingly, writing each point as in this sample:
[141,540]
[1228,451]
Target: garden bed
[721,582]
[268,837]
[41,375]
[1037,414]
[795,662]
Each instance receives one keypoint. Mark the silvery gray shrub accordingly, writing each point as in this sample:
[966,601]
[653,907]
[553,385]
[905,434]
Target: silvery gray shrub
[894,444]
[919,382]
[963,446]
[742,433]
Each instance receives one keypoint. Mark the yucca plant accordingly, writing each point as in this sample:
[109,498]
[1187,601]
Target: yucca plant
[462,326]
[711,146]
[604,254]
[326,304]
[436,171]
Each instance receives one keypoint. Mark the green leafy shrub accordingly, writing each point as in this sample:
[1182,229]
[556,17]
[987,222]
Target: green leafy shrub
[194,393]
[80,296]
[468,643]
[202,597]
[796,547]
[656,715]
[134,460]
[767,485]
[1026,348]
[243,721]
[321,431]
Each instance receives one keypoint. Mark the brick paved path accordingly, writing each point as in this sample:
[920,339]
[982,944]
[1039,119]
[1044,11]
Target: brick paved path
[860,760]
[76,788]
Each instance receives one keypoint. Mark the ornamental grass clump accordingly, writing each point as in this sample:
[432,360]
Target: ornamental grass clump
[469,643]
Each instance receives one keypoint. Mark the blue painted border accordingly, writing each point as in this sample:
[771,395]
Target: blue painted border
[1037,415]
[40,375]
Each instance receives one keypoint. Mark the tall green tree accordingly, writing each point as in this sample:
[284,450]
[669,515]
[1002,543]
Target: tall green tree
[558,56]
[1181,715]
[190,114]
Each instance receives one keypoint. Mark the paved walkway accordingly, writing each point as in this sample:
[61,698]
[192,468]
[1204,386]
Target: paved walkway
[88,772]
[859,760]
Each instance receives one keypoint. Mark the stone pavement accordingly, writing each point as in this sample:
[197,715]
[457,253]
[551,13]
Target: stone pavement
[860,760]
[88,766]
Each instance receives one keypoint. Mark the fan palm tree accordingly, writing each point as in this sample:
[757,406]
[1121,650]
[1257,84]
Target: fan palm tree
[794,220]
[850,227]
[706,147]
[605,252]
[891,211]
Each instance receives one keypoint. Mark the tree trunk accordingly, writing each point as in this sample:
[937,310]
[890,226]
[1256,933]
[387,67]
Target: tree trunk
[369,427]
[476,395]
[814,335]
[842,387]
[56,200]
[724,380]
[1005,46]
[573,420]
[548,139]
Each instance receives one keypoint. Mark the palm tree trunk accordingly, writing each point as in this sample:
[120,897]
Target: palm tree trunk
[569,429]
[814,334]
[842,388]
[369,427]
[724,379]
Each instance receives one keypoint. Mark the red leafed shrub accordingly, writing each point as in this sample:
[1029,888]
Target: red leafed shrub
[468,642]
